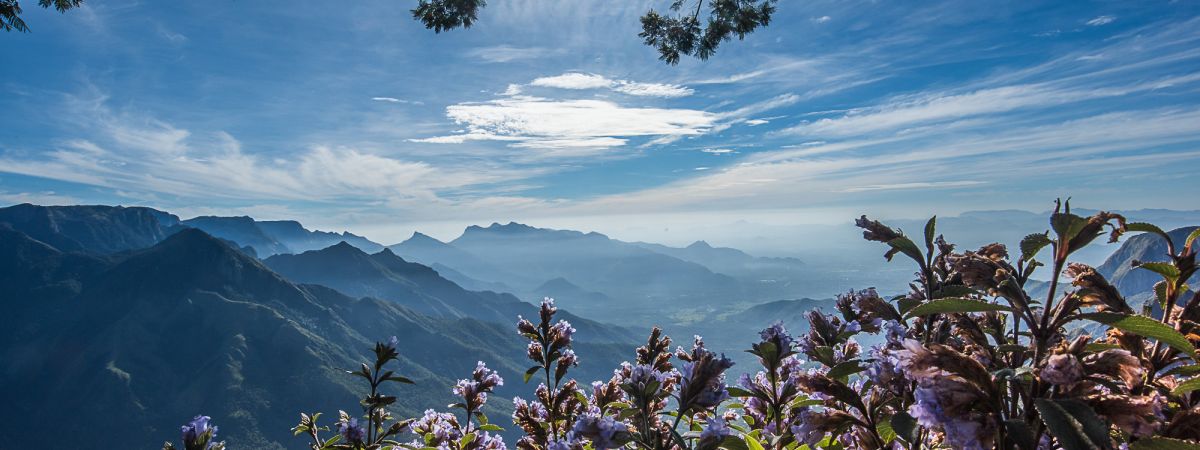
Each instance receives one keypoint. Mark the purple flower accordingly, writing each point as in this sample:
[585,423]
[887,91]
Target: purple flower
[393,341]
[1062,369]
[778,335]
[895,332]
[568,358]
[947,403]
[808,430]
[438,428]
[486,377]
[352,431]
[604,431]
[560,333]
[489,441]
[715,431]
[199,434]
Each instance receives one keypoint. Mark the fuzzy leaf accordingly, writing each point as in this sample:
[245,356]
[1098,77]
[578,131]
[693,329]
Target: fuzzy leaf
[1074,424]
[1167,270]
[905,245]
[845,369]
[529,372]
[1145,326]
[1032,244]
[1195,234]
[1186,386]
[953,305]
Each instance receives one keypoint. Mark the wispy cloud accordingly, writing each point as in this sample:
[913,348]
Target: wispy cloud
[508,53]
[397,100]
[134,154]
[1101,20]
[580,81]
[534,122]
[913,185]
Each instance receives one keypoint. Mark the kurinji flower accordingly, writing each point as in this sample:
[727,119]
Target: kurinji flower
[199,434]
[604,431]
[560,334]
[810,425]
[715,431]
[1062,369]
[1139,415]
[949,403]
[1117,363]
[778,335]
[896,332]
[439,428]
[568,358]
[884,370]
[352,431]
[488,441]
[702,378]
[486,377]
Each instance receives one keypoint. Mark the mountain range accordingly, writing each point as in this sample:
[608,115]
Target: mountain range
[135,320]
[135,342]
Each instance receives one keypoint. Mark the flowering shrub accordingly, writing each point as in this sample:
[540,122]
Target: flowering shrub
[968,359]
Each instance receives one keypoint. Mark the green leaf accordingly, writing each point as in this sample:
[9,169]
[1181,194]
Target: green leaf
[1147,228]
[1162,443]
[904,425]
[1074,424]
[1167,270]
[846,369]
[884,428]
[954,290]
[490,427]
[929,231]
[906,304]
[466,439]
[1145,326]
[906,246]
[953,305]
[735,391]
[1100,346]
[1032,244]
[752,443]
[532,370]
[732,442]
[1186,386]
[1020,434]
[1192,238]
[1184,370]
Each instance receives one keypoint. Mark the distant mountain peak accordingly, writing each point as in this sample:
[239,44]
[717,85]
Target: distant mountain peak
[700,245]
[422,238]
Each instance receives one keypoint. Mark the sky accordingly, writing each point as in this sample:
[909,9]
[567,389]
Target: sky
[352,116]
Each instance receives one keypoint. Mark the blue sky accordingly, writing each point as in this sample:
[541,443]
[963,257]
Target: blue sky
[552,112]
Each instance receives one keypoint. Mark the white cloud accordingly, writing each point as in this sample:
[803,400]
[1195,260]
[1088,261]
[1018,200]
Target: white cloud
[545,123]
[822,19]
[508,53]
[581,81]
[134,155]
[757,122]
[1101,20]
[396,100]
[718,151]
[913,185]
[939,107]
[573,80]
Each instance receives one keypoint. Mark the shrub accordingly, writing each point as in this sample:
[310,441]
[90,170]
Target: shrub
[968,359]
